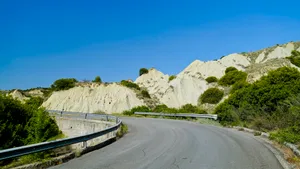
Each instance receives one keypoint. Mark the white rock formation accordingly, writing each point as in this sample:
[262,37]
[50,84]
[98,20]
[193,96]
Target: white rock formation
[155,82]
[18,95]
[185,88]
[280,52]
[36,93]
[109,99]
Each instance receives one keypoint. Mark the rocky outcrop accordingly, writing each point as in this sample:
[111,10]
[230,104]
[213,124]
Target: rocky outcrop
[112,98]
[18,95]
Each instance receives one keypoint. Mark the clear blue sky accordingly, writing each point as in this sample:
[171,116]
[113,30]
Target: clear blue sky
[41,41]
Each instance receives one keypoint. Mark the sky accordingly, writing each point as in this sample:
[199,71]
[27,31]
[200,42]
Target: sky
[41,41]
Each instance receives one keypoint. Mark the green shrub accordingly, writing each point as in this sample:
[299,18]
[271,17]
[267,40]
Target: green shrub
[226,114]
[63,84]
[257,133]
[145,94]
[189,108]
[136,109]
[143,71]
[211,79]
[295,58]
[232,77]
[286,135]
[238,85]
[97,79]
[172,78]
[229,69]
[130,84]
[99,112]
[271,103]
[22,124]
[212,96]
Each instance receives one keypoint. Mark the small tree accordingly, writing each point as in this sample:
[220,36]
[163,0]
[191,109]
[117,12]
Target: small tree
[97,79]
[232,77]
[295,58]
[143,71]
[211,79]
[212,96]
[63,84]
[130,84]
[145,94]
[229,69]
[172,78]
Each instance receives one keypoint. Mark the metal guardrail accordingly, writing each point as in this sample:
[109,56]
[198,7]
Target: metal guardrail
[34,148]
[207,116]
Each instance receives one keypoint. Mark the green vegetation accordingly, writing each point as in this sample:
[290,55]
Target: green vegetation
[172,78]
[122,130]
[188,108]
[270,104]
[145,94]
[211,79]
[232,77]
[97,79]
[130,84]
[143,71]
[229,69]
[22,124]
[136,109]
[295,58]
[63,84]
[212,96]
[99,112]
[238,85]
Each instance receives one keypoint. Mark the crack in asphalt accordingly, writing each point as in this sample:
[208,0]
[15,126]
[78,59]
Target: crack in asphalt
[175,164]
[144,152]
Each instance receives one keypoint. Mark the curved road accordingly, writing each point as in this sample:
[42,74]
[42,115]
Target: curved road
[171,144]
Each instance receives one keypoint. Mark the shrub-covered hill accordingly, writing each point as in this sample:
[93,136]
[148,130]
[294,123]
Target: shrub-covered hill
[271,103]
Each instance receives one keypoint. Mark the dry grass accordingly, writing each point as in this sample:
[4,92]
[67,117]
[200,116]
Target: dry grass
[288,155]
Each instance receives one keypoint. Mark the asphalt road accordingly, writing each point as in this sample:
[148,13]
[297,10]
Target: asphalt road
[170,144]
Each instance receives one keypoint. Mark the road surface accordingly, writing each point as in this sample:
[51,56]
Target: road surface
[171,144]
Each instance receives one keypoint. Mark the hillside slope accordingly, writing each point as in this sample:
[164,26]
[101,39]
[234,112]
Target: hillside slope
[186,88]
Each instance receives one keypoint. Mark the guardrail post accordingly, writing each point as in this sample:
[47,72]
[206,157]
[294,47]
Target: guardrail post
[61,114]
[85,116]
[84,144]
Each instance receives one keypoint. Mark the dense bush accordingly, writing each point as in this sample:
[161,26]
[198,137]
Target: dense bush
[212,96]
[271,103]
[239,85]
[97,79]
[22,124]
[189,108]
[172,78]
[229,69]
[136,109]
[130,84]
[295,58]
[145,94]
[143,71]
[63,84]
[232,77]
[211,79]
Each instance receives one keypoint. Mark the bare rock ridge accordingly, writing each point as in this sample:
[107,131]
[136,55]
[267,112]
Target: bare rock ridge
[184,89]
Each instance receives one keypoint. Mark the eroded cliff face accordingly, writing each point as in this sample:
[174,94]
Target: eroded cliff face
[109,99]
